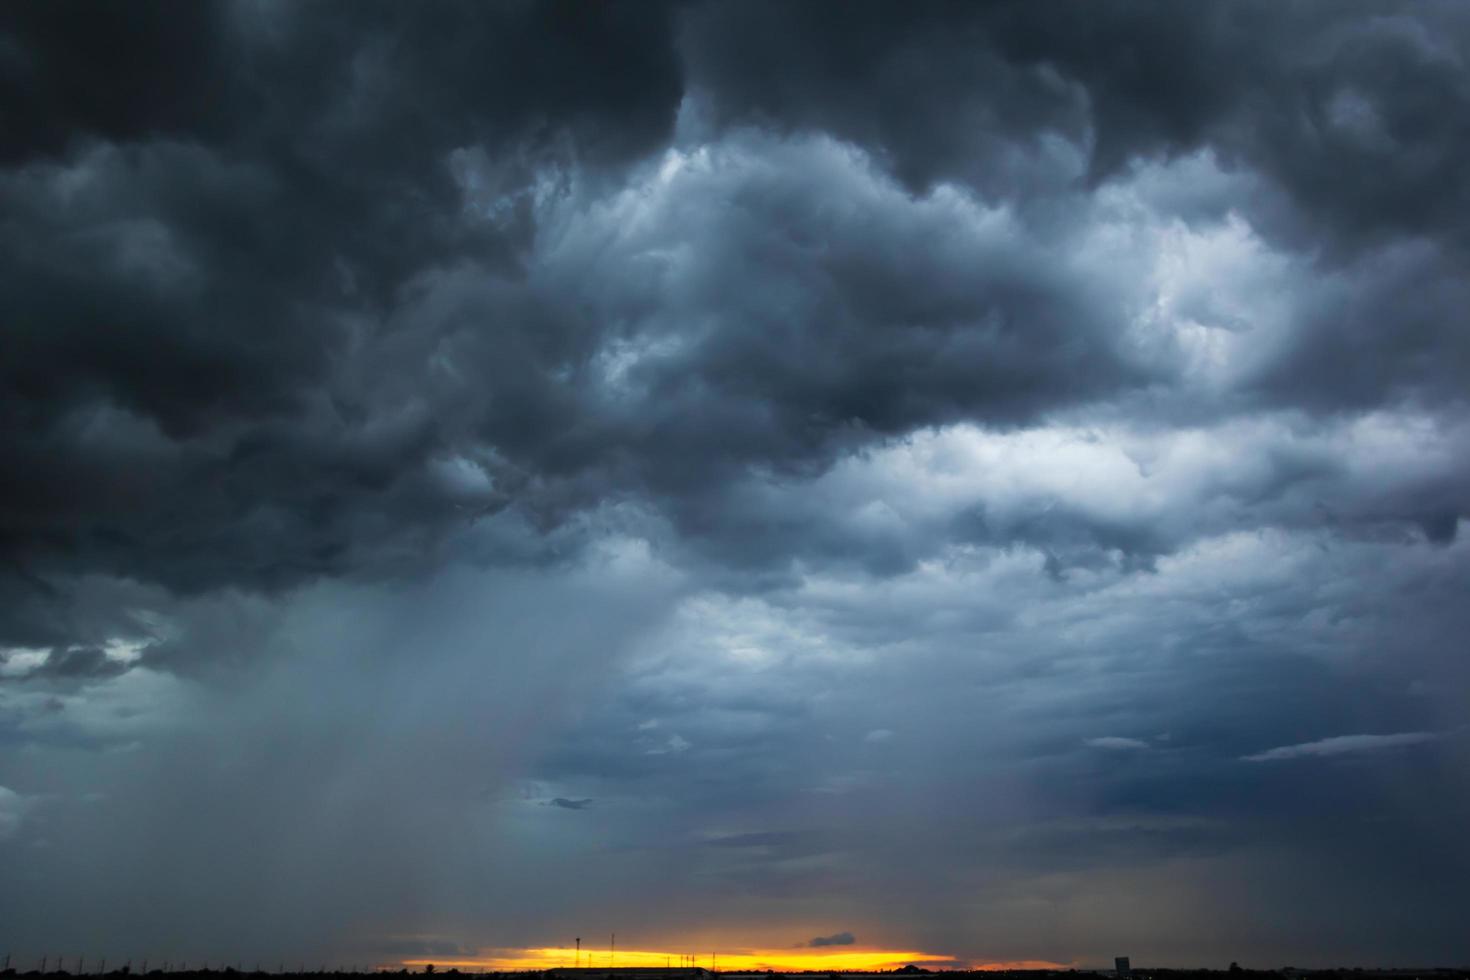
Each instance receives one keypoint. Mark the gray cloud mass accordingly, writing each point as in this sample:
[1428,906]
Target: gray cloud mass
[990,476]
[836,939]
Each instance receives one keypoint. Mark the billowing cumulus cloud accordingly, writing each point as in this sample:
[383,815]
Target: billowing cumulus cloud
[990,477]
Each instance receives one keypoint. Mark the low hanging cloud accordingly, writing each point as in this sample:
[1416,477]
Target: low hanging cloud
[1342,745]
[836,939]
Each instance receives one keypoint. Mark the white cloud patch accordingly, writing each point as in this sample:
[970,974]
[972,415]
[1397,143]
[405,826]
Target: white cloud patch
[1116,743]
[19,661]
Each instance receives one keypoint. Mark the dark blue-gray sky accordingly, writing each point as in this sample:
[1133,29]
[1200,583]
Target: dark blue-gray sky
[987,479]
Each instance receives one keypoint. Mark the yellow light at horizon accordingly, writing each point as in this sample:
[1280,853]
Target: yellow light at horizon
[825,959]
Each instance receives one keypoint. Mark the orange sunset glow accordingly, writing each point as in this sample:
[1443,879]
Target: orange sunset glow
[737,960]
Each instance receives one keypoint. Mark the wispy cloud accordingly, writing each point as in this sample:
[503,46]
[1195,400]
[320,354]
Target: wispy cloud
[1341,745]
[1116,743]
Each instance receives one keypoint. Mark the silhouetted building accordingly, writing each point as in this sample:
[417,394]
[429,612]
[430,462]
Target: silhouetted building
[1121,966]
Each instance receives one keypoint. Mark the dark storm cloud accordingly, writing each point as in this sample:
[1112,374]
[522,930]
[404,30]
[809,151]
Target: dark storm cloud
[1341,358]
[1356,109]
[190,278]
[257,314]
[246,73]
[834,311]
[1351,116]
[990,476]
[70,60]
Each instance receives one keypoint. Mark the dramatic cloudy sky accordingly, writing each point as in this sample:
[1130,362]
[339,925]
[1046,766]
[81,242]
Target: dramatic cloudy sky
[986,480]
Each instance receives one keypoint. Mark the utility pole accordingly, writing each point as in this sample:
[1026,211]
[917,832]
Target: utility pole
[612,951]
[578,960]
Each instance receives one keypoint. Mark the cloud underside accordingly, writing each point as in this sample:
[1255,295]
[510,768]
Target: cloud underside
[909,471]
